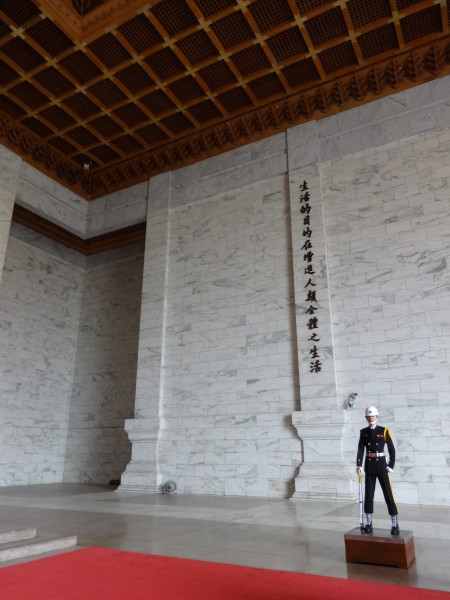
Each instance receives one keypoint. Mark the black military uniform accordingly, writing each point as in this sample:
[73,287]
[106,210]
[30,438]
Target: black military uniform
[374,441]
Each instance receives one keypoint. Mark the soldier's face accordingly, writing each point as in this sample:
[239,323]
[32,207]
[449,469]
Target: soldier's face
[372,419]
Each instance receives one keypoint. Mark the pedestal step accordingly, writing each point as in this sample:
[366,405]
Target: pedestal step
[13,550]
[380,548]
[15,535]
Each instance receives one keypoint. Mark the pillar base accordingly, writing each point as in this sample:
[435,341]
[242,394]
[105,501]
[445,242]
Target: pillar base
[140,476]
[324,474]
[139,489]
[324,481]
[142,472]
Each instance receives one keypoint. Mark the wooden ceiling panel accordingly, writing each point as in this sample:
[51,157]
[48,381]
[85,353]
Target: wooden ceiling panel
[362,12]
[57,117]
[28,95]
[251,60]
[232,30]
[79,67]
[197,47]
[140,33]
[37,127]
[301,73]
[211,7]
[17,51]
[175,16]
[326,26]
[107,93]
[102,94]
[287,44]
[165,63]
[157,102]
[53,81]
[422,23]
[109,51]
[377,41]
[7,73]
[268,14]
[20,12]
[306,6]
[217,75]
[49,37]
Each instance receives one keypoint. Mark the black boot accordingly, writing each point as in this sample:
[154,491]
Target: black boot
[395,530]
[368,528]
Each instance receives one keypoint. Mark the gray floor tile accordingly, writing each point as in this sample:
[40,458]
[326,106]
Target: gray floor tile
[275,534]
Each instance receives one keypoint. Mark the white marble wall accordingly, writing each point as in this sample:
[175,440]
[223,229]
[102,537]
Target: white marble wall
[116,211]
[211,439]
[40,300]
[69,335]
[230,171]
[421,109]
[219,342]
[52,201]
[387,214]
[6,210]
[9,168]
[231,373]
[104,383]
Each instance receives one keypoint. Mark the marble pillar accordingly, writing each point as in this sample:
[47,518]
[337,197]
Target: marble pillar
[142,472]
[9,175]
[321,423]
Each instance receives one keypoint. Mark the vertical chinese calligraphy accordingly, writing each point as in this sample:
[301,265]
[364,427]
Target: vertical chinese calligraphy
[315,366]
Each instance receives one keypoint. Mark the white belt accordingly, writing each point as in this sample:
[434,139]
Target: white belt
[375,454]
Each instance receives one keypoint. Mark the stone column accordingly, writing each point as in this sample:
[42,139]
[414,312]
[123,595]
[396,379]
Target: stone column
[142,472]
[9,175]
[321,423]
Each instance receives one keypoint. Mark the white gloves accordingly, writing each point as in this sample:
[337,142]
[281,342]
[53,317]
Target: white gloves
[389,470]
[358,469]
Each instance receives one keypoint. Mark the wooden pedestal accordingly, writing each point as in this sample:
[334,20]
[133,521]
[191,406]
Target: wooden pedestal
[380,548]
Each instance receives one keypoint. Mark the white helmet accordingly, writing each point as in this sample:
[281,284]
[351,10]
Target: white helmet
[371,411]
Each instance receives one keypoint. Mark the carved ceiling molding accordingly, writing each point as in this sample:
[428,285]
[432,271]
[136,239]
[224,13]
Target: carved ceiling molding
[382,79]
[87,247]
[82,6]
[84,19]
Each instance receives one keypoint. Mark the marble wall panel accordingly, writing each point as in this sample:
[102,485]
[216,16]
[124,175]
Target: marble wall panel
[53,248]
[218,349]
[54,202]
[230,364]
[6,210]
[51,200]
[9,174]
[10,166]
[389,282]
[421,109]
[230,171]
[40,299]
[116,211]
[104,383]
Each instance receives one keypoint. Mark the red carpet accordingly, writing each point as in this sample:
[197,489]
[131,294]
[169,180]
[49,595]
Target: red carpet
[103,574]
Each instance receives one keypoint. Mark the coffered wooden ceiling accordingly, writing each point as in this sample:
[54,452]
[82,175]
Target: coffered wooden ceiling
[103,94]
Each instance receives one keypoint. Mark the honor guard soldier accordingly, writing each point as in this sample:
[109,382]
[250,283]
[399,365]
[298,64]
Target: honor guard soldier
[373,439]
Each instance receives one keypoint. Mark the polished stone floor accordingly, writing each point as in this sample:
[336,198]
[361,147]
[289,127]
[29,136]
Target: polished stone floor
[276,534]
